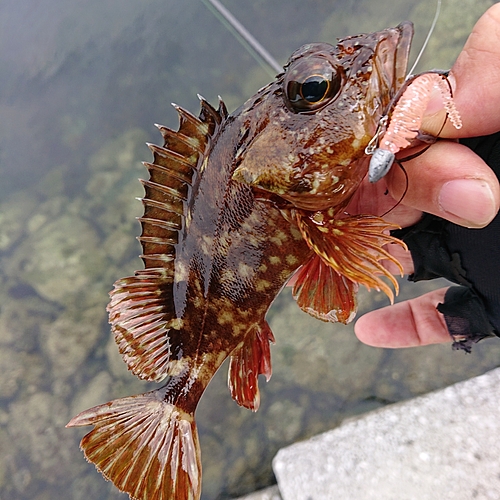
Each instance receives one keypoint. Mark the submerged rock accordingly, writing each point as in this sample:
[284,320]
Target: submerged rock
[36,425]
[62,261]
[322,357]
[14,214]
[71,338]
[15,377]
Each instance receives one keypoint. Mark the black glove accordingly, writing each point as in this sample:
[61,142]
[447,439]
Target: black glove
[468,257]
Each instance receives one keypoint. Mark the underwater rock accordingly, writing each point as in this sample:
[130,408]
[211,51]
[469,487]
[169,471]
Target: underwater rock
[112,191]
[14,214]
[71,338]
[116,365]
[21,316]
[285,421]
[121,248]
[92,393]
[451,30]
[4,446]
[14,374]
[62,261]
[36,425]
[321,357]
[407,373]
[113,186]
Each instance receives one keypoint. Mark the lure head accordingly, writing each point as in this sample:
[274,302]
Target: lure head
[303,136]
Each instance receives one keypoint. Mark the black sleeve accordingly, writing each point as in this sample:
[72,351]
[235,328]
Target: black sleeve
[468,257]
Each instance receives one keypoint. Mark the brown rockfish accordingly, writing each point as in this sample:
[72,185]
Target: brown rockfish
[233,207]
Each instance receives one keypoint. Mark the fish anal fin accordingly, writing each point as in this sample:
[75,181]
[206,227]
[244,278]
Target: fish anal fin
[353,247]
[143,323]
[247,363]
[145,445]
[324,293]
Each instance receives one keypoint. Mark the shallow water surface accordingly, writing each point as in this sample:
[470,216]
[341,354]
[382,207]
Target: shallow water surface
[81,84]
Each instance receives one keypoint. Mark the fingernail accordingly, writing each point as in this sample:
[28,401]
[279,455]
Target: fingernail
[435,103]
[435,113]
[471,200]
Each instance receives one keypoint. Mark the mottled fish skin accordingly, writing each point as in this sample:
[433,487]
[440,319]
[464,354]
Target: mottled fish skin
[236,254]
[234,206]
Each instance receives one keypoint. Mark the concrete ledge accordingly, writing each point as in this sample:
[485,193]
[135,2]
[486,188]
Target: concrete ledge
[444,445]
[271,493]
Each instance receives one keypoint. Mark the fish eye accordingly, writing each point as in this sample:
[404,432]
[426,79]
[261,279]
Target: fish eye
[314,89]
[311,84]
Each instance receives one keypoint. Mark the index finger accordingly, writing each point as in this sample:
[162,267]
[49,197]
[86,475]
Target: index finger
[474,78]
[411,323]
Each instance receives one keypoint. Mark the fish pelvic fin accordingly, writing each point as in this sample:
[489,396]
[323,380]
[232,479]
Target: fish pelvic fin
[145,445]
[247,363]
[353,247]
[324,293]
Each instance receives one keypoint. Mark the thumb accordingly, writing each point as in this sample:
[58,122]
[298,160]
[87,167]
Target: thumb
[474,79]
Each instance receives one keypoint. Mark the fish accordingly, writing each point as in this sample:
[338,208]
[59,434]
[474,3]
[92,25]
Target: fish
[234,207]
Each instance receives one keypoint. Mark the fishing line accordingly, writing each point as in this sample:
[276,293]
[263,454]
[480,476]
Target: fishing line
[249,42]
[407,184]
[429,34]
[408,158]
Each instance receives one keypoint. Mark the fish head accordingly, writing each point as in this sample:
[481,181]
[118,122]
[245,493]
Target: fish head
[303,137]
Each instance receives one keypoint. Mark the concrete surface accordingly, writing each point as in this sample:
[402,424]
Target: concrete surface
[271,493]
[444,445]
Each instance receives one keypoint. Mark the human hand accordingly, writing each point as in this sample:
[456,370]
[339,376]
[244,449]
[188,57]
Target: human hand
[448,180]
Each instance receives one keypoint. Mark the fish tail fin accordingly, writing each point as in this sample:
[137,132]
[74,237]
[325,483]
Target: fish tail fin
[147,446]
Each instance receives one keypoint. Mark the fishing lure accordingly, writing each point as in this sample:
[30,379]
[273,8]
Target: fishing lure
[406,120]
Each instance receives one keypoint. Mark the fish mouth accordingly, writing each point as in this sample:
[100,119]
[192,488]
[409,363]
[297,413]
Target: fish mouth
[390,65]
[402,52]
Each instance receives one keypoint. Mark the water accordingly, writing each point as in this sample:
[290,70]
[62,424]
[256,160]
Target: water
[81,83]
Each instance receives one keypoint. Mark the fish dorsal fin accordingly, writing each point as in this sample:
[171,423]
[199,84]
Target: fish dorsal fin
[141,310]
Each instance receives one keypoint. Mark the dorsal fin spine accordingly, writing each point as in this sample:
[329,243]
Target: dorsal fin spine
[191,142]
[209,112]
[163,189]
[222,110]
[168,207]
[170,155]
[159,241]
[168,225]
[186,120]
[176,174]
[159,257]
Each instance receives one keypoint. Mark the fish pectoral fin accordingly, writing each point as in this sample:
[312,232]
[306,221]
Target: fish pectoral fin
[247,363]
[324,293]
[145,445]
[143,323]
[353,247]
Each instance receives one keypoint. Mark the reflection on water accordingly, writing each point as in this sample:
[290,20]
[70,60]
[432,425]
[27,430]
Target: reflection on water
[81,83]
